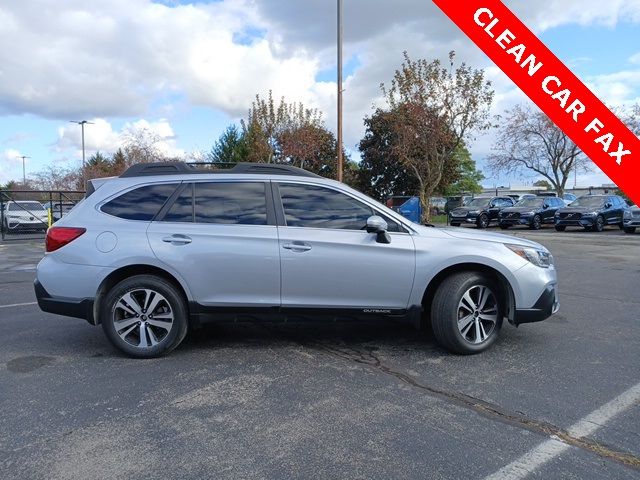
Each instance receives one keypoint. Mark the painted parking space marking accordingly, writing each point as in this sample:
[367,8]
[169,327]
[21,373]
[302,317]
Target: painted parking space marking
[552,448]
[18,305]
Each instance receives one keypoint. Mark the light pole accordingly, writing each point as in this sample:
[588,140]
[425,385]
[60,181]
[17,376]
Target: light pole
[339,90]
[82,123]
[24,171]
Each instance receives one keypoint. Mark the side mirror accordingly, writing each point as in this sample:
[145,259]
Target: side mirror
[377,225]
[545,205]
[607,205]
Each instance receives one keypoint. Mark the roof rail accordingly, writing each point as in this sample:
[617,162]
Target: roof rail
[176,168]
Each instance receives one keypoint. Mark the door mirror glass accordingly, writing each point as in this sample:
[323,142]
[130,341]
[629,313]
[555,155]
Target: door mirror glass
[607,205]
[545,205]
[378,225]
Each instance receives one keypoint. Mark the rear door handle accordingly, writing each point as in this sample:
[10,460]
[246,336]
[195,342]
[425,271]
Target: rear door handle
[177,239]
[297,246]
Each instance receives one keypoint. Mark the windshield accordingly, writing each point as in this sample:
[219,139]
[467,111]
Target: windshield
[590,202]
[530,202]
[26,206]
[479,202]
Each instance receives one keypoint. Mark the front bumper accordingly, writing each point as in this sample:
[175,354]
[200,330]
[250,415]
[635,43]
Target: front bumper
[547,305]
[583,222]
[465,219]
[632,222]
[516,221]
[69,307]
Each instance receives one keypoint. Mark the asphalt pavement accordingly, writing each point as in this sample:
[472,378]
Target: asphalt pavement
[557,399]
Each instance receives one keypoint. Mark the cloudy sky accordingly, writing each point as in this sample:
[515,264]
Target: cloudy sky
[186,69]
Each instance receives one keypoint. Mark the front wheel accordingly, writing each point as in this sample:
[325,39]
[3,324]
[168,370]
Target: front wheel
[455,224]
[483,221]
[466,313]
[144,316]
[561,228]
[504,226]
[536,223]
[599,225]
[629,229]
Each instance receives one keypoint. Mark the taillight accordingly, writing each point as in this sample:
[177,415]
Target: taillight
[58,237]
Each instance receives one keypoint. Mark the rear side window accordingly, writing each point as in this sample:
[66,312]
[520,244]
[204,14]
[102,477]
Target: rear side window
[235,203]
[142,203]
[182,208]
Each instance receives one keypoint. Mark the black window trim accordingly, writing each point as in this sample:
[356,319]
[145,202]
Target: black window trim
[282,222]
[271,215]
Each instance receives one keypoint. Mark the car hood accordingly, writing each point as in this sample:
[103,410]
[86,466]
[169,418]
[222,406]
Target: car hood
[468,234]
[25,214]
[468,209]
[579,209]
[521,209]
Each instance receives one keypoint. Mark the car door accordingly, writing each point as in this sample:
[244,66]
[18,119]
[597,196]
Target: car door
[221,237]
[548,213]
[329,261]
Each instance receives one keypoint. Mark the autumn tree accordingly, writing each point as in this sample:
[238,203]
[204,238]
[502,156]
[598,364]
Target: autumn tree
[528,141]
[434,110]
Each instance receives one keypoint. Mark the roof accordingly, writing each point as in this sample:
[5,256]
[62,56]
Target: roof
[177,168]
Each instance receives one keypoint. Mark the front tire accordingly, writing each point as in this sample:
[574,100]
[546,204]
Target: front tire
[483,221]
[466,313]
[455,224]
[536,223]
[561,228]
[504,226]
[599,225]
[629,229]
[144,316]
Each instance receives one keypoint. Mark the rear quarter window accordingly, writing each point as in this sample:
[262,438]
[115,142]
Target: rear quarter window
[142,203]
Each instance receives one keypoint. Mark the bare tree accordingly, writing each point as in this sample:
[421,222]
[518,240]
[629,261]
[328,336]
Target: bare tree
[528,140]
[435,109]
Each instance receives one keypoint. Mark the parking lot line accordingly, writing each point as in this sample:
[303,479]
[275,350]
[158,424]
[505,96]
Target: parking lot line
[548,450]
[18,305]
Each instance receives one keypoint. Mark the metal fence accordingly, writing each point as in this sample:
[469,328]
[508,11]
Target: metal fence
[28,213]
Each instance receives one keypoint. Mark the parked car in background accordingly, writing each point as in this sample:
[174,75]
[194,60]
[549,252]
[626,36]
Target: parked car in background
[438,205]
[569,198]
[456,201]
[532,212]
[24,215]
[481,211]
[592,212]
[631,219]
[152,253]
[59,209]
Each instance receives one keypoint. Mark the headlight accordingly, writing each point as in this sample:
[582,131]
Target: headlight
[474,212]
[557,214]
[529,213]
[590,214]
[628,214]
[540,258]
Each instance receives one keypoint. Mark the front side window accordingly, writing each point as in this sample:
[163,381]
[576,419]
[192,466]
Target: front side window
[235,203]
[142,203]
[312,206]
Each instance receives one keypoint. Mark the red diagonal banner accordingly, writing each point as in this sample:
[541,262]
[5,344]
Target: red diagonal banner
[551,85]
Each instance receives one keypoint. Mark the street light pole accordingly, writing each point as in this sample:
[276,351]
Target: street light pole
[24,170]
[340,160]
[82,123]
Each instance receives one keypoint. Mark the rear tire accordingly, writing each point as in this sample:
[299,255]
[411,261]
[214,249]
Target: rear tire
[561,228]
[462,322]
[144,316]
[629,229]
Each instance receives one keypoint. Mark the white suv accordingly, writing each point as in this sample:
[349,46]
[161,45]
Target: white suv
[165,246]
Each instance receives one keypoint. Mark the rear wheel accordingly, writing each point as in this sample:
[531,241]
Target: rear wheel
[561,228]
[629,229]
[483,221]
[466,313]
[536,223]
[144,316]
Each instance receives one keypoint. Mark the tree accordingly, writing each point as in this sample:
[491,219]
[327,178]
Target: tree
[434,109]
[543,183]
[529,141]
[467,177]
[231,147]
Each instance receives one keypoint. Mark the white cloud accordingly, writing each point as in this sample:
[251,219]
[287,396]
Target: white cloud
[100,136]
[11,164]
[635,59]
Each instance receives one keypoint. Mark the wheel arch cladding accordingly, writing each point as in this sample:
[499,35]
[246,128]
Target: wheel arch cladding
[129,271]
[507,296]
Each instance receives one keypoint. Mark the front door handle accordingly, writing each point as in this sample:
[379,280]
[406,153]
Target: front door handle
[297,246]
[177,239]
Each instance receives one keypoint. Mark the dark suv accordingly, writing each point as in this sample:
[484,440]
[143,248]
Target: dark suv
[532,212]
[592,212]
[481,211]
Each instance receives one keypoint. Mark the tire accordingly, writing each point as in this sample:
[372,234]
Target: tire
[483,221]
[621,225]
[455,224]
[561,228]
[629,229]
[505,226]
[448,307]
[599,225]
[128,297]
[536,223]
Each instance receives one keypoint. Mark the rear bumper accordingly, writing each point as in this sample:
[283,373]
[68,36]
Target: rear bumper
[69,307]
[547,305]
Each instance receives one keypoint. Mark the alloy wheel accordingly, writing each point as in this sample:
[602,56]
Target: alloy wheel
[142,317]
[477,314]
